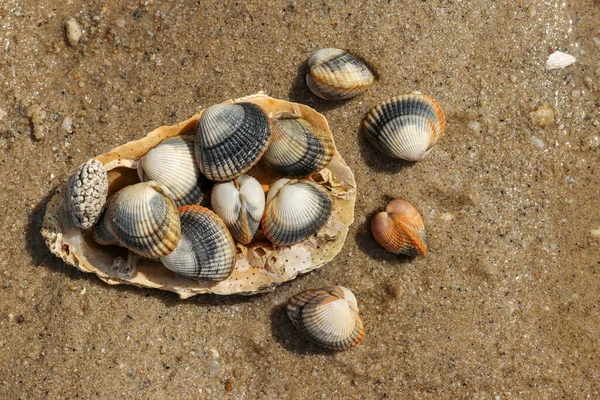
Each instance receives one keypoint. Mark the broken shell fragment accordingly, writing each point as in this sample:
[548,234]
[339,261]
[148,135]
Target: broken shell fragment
[329,316]
[297,147]
[295,210]
[230,139]
[400,229]
[335,74]
[206,250]
[145,220]
[558,60]
[86,193]
[405,127]
[240,204]
[173,166]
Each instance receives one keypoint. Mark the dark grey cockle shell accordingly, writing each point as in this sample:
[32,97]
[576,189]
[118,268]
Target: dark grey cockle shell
[145,220]
[405,127]
[230,139]
[240,204]
[297,147]
[335,74]
[329,316]
[86,193]
[173,166]
[295,210]
[206,250]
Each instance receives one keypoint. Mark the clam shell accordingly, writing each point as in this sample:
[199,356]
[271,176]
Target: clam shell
[335,74]
[329,316]
[206,250]
[145,220]
[405,127]
[231,138]
[400,229]
[172,165]
[260,267]
[295,210]
[86,193]
[240,204]
[297,147]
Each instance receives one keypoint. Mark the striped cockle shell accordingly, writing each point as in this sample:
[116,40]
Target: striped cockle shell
[297,147]
[329,316]
[230,139]
[145,220]
[335,74]
[405,127]
[400,229]
[240,204]
[173,166]
[86,193]
[295,210]
[206,250]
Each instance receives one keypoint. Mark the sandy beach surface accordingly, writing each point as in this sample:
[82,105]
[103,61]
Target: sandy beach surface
[506,304]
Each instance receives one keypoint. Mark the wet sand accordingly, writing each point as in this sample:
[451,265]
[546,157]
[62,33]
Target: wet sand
[504,306]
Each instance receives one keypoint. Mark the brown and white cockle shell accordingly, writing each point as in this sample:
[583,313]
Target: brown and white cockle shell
[329,316]
[400,229]
[240,204]
[259,266]
[335,74]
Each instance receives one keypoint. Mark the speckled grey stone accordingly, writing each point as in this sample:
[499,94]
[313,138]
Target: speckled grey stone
[86,193]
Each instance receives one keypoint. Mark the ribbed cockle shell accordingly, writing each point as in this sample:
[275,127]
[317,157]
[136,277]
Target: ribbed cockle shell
[335,74]
[400,229]
[86,193]
[173,166]
[405,127]
[101,231]
[240,204]
[297,147]
[230,139]
[206,250]
[145,220]
[329,316]
[295,210]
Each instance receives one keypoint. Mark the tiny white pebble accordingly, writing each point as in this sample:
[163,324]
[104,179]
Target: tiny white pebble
[576,93]
[214,353]
[73,30]
[447,216]
[595,232]
[537,142]
[475,126]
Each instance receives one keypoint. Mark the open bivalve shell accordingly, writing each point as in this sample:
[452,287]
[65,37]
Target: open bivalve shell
[329,316]
[259,267]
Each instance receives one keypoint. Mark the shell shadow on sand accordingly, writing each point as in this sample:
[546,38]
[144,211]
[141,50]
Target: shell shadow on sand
[291,338]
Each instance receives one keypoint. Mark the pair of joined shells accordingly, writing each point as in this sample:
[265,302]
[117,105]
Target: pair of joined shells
[400,229]
[405,127]
[329,316]
[335,74]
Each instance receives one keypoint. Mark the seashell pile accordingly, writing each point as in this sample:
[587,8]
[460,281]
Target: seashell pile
[157,229]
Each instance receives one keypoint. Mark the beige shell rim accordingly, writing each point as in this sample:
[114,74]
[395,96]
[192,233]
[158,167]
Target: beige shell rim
[259,268]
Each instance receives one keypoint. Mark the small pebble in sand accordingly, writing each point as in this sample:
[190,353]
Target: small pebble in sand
[447,216]
[595,233]
[537,142]
[37,116]
[475,126]
[513,78]
[214,353]
[3,114]
[576,93]
[214,368]
[229,385]
[589,82]
[67,125]
[593,142]
[543,116]
[73,31]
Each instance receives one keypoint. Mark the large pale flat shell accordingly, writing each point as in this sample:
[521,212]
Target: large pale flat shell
[259,267]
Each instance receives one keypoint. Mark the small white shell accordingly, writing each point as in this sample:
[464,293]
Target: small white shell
[86,193]
[295,210]
[173,166]
[240,204]
[558,60]
[329,316]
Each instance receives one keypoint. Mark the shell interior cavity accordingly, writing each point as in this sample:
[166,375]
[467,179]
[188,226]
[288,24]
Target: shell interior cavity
[295,210]
[335,74]
[206,250]
[231,138]
[145,220]
[173,166]
[259,266]
[405,127]
[329,316]
[297,147]
[240,204]
[400,229]
[86,193]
